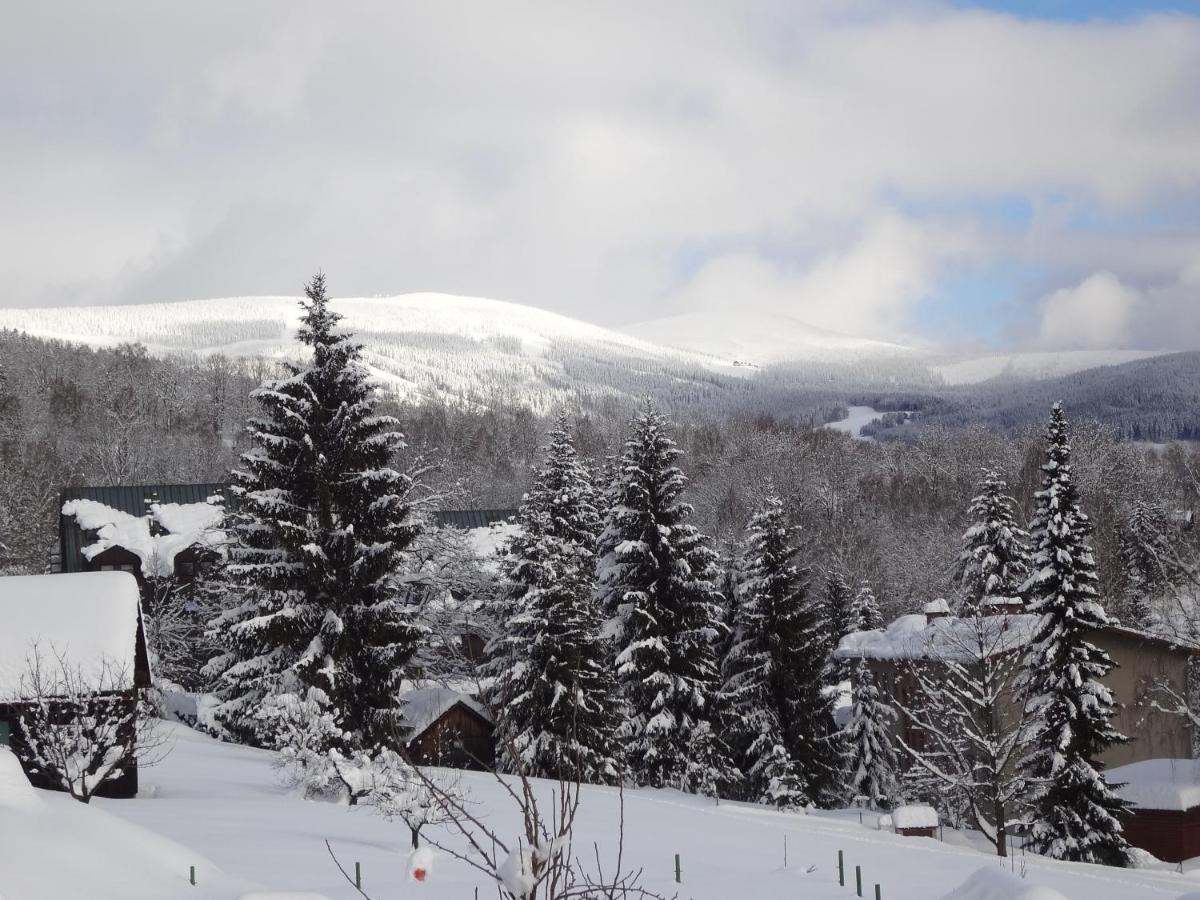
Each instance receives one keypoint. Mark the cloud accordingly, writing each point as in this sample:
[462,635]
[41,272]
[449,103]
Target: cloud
[1095,313]
[611,161]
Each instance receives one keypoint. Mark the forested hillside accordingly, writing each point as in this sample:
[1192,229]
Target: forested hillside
[891,511]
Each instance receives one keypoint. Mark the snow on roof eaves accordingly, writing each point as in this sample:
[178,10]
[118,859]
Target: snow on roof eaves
[424,706]
[1159,784]
[90,618]
[915,637]
[914,817]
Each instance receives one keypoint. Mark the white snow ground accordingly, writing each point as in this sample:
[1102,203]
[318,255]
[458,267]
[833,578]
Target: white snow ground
[218,807]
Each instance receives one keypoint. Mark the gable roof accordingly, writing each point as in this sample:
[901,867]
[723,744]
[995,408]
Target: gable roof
[128,498]
[425,705]
[471,518]
[916,637]
[91,619]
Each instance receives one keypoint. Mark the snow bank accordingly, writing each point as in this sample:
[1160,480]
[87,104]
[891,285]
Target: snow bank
[914,817]
[16,793]
[993,883]
[487,542]
[915,637]
[89,617]
[1163,784]
[281,895]
[185,524]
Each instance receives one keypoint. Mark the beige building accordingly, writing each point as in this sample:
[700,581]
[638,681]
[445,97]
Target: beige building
[1143,661]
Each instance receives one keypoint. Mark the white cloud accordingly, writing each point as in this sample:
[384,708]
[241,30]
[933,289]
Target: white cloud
[583,157]
[1094,314]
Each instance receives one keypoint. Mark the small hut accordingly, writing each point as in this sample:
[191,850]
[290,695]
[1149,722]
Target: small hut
[87,621]
[1165,794]
[915,821]
[448,728]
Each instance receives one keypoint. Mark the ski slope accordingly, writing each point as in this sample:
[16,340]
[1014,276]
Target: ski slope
[218,807]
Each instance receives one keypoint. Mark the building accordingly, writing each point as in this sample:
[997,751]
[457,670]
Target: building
[929,639]
[91,623]
[448,728]
[148,529]
[1165,794]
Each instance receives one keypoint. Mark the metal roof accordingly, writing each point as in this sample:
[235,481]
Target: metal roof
[471,518]
[129,498]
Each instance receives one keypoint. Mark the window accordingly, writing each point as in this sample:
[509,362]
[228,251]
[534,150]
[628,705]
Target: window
[4,733]
[123,567]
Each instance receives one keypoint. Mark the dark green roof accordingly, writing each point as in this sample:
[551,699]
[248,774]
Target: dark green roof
[129,498]
[471,518]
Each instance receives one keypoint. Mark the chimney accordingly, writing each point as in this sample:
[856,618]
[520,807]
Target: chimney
[936,609]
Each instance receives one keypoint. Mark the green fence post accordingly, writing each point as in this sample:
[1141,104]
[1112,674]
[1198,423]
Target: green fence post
[678,879]
[192,875]
[877,897]
[841,870]
[358,875]
[858,880]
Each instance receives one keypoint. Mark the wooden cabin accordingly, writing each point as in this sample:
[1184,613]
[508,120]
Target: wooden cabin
[448,728]
[92,620]
[1165,819]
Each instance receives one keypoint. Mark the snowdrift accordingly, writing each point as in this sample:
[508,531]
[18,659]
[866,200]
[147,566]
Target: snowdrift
[992,883]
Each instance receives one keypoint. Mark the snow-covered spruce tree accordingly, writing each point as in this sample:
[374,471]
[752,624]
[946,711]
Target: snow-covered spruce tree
[1147,554]
[1075,812]
[836,602]
[781,719]
[551,683]
[871,761]
[994,562]
[321,519]
[864,610]
[656,579]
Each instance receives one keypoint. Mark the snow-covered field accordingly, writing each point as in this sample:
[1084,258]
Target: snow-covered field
[854,422]
[217,807]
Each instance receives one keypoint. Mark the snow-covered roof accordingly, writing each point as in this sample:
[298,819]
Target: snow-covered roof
[914,817]
[185,524]
[1163,784]
[425,705]
[89,618]
[485,542]
[937,608]
[916,637]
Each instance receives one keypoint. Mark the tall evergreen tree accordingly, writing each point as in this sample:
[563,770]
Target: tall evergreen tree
[554,690]
[994,562]
[1146,552]
[837,600]
[657,579]
[321,520]
[871,761]
[1075,811]
[782,719]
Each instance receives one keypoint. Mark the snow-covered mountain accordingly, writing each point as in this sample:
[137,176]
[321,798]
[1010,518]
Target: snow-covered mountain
[757,338]
[460,348]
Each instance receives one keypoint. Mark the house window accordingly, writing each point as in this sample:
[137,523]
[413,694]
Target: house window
[123,567]
[4,733]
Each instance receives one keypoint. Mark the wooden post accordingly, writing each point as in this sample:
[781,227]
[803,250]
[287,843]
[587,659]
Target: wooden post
[858,880]
[192,875]
[678,878]
[841,870]
[358,875]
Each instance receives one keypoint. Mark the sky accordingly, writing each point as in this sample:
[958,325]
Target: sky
[1021,173]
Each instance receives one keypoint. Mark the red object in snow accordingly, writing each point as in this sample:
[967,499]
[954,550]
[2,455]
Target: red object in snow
[419,874]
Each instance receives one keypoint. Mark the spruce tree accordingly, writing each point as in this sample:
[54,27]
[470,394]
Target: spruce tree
[864,610]
[871,760]
[782,719]
[836,606]
[1145,551]
[552,685]
[1076,815]
[657,579]
[321,519]
[994,562]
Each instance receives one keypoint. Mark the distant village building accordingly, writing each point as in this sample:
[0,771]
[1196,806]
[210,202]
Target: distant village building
[1141,660]
[1165,794]
[92,621]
